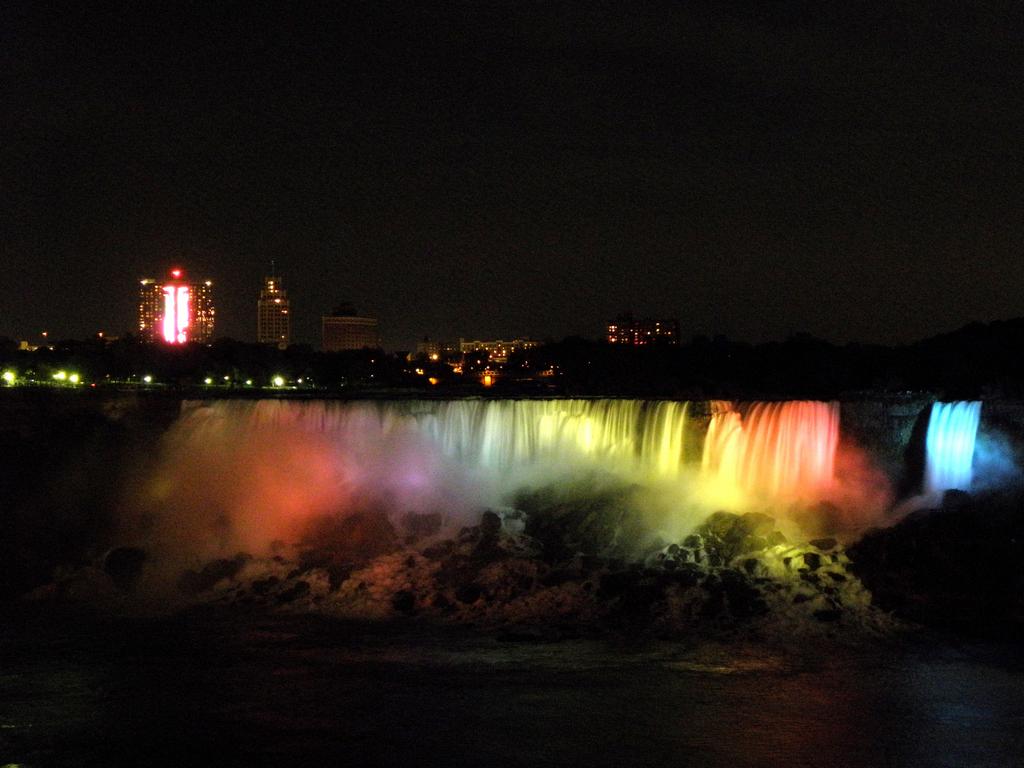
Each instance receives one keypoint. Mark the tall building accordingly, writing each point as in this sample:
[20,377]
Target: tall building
[625,329]
[345,329]
[274,320]
[498,350]
[176,311]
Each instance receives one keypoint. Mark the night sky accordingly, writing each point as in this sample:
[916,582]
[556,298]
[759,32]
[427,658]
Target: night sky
[483,169]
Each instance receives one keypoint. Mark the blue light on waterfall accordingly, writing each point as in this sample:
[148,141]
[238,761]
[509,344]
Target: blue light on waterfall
[949,445]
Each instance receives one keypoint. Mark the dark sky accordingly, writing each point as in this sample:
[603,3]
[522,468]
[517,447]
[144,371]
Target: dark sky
[849,169]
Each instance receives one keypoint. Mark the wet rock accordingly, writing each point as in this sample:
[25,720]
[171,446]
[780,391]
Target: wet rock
[439,551]
[293,593]
[960,567]
[490,525]
[823,544]
[356,538]
[557,577]
[404,601]
[726,536]
[828,615]
[812,560]
[124,566]
[195,582]
[421,525]
[469,593]
[263,586]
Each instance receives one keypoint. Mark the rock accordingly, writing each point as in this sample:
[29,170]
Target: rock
[469,593]
[726,536]
[421,525]
[356,538]
[828,615]
[404,601]
[124,566]
[263,586]
[193,582]
[823,544]
[297,590]
[812,560]
[956,500]
[490,525]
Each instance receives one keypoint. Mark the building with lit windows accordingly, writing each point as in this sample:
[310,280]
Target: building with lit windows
[274,319]
[625,329]
[498,350]
[344,329]
[429,349]
[176,310]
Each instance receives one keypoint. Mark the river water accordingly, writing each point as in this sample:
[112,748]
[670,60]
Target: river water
[225,688]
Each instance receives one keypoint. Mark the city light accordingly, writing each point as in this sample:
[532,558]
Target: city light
[207,381]
[74,378]
[177,312]
[248,382]
[9,377]
[148,379]
[60,375]
[277,381]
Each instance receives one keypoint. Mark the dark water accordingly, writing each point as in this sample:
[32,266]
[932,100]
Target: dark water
[233,690]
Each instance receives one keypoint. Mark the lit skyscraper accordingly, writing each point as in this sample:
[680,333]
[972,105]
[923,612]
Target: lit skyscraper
[274,319]
[176,311]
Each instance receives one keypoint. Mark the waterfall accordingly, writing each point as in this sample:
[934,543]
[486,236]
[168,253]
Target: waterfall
[779,449]
[949,445]
[776,449]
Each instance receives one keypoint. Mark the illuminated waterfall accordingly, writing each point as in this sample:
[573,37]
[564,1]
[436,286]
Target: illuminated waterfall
[779,449]
[784,449]
[949,445]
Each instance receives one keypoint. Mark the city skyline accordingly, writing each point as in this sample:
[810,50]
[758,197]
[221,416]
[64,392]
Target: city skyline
[754,172]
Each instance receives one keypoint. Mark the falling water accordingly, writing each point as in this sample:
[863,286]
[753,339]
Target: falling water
[780,449]
[777,449]
[949,445]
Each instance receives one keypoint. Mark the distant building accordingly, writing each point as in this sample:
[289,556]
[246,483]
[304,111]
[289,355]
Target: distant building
[498,350]
[626,329]
[345,329]
[428,349]
[175,310]
[274,319]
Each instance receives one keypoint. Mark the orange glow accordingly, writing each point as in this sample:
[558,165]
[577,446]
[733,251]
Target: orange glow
[488,379]
[175,273]
[433,380]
